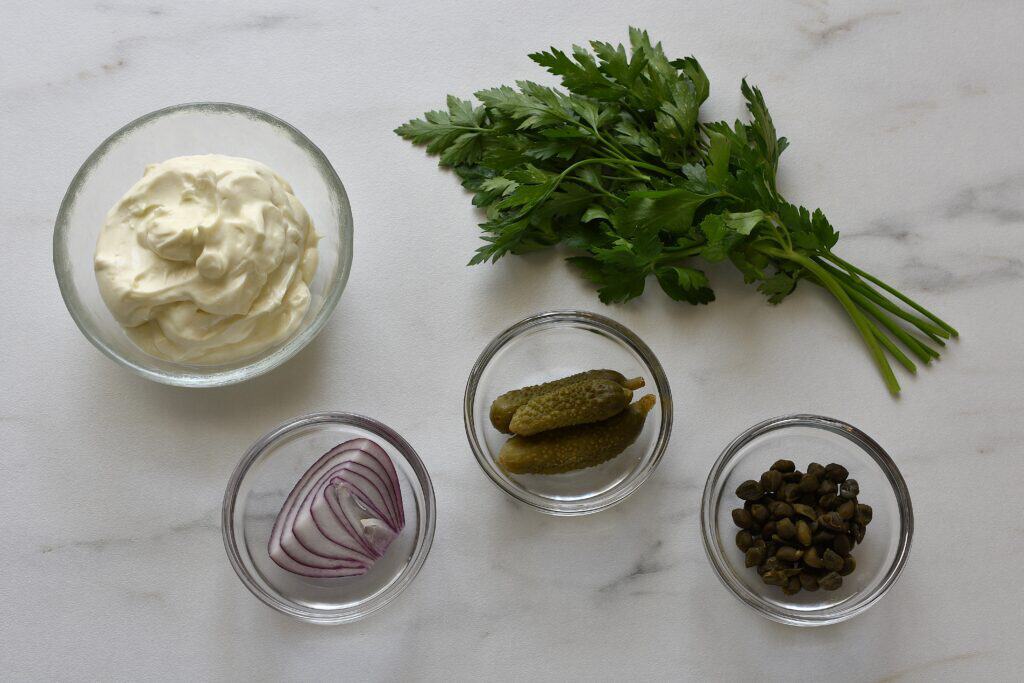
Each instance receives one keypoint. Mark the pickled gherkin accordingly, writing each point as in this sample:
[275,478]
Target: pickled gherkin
[505,406]
[591,400]
[576,447]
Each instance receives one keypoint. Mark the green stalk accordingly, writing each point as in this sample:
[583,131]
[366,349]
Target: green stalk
[919,348]
[864,326]
[896,352]
[896,293]
[855,282]
[925,353]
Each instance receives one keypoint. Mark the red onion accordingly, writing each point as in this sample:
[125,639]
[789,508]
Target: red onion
[342,515]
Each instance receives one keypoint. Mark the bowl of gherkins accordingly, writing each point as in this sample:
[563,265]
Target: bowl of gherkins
[568,412]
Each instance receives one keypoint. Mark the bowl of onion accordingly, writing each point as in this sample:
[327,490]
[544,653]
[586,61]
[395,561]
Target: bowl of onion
[328,517]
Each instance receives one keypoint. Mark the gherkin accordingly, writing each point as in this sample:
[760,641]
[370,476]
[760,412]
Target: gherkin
[506,405]
[591,400]
[576,447]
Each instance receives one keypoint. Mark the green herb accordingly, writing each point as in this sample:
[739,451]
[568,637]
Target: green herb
[621,169]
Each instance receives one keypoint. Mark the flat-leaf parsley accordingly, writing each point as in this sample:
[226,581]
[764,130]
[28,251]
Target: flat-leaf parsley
[621,169]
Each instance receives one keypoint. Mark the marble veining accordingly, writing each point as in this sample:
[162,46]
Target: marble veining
[905,122]
[203,524]
[824,30]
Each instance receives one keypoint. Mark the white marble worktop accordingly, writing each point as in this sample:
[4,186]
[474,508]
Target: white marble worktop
[906,127]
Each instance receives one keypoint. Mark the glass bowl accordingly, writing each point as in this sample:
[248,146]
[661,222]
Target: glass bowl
[258,488]
[547,346]
[805,439]
[198,128]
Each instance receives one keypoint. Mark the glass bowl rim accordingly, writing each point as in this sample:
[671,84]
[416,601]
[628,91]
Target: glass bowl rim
[620,332]
[709,521]
[407,575]
[260,364]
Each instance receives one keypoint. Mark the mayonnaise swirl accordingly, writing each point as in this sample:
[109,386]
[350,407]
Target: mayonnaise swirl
[207,259]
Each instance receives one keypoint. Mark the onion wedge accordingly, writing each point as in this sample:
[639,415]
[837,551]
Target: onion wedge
[342,514]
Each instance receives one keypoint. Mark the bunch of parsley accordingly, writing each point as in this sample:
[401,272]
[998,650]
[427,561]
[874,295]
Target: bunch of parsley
[621,169]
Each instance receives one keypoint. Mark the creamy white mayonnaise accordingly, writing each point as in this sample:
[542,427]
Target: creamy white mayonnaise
[207,259]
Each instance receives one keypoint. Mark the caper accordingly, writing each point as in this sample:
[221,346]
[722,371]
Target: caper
[771,481]
[807,499]
[864,514]
[775,578]
[789,492]
[784,466]
[809,582]
[858,533]
[847,509]
[749,490]
[816,469]
[831,560]
[805,511]
[812,559]
[753,556]
[742,518]
[759,512]
[789,554]
[842,544]
[792,477]
[792,586]
[826,486]
[744,539]
[828,501]
[808,483]
[769,528]
[831,581]
[803,532]
[780,509]
[832,521]
[849,564]
[836,473]
[785,528]
[849,489]
[823,537]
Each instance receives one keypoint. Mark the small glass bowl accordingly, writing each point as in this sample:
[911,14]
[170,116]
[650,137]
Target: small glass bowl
[198,128]
[261,483]
[555,344]
[805,439]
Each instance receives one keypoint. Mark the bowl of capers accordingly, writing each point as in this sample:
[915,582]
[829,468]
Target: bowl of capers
[807,520]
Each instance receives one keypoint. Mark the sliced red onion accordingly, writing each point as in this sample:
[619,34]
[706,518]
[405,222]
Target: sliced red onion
[342,515]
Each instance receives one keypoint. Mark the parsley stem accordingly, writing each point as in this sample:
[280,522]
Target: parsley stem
[925,353]
[852,281]
[896,352]
[859,293]
[902,297]
[866,328]
[618,150]
[597,186]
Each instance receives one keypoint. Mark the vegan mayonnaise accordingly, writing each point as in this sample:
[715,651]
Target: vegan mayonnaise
[207,259]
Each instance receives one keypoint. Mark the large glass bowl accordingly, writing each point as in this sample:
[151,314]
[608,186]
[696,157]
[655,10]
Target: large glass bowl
[198,128]
[259,487]
[805,439]
[547,346]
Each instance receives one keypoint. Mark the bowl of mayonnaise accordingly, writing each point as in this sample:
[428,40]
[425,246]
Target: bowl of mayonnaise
[203,244]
